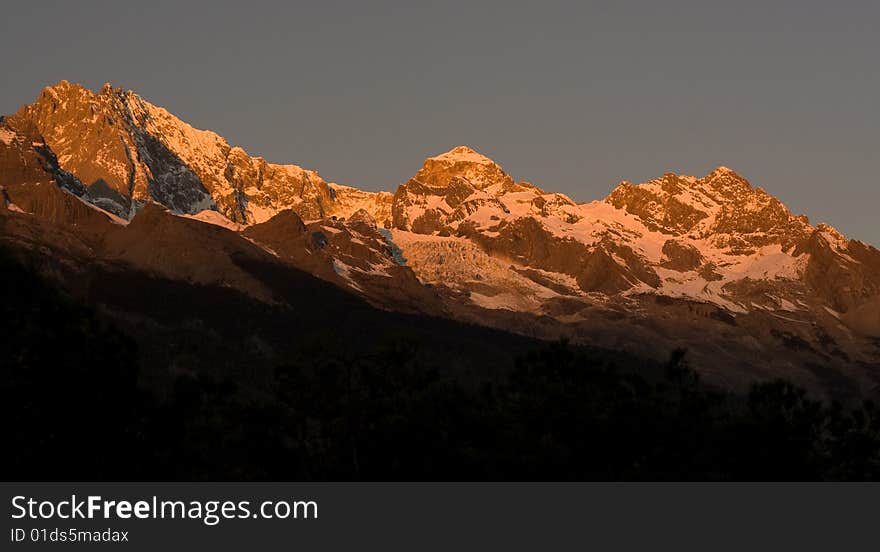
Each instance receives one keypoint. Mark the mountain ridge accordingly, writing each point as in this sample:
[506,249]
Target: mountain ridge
[461,238]
[156,117]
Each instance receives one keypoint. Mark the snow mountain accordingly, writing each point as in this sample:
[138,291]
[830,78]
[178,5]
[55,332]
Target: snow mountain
[709,263]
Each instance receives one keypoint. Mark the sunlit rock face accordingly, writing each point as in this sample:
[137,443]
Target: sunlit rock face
[127,151]
[348,200]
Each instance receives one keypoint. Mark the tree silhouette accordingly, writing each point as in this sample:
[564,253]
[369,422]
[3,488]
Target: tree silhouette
[73,407]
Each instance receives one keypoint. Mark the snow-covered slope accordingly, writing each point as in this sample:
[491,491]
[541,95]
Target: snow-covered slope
[680,236]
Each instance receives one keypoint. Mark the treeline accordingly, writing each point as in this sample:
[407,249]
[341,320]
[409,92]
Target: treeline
[73,410]
[557,416]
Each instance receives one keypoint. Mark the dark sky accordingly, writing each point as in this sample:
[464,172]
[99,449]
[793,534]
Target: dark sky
[574,97]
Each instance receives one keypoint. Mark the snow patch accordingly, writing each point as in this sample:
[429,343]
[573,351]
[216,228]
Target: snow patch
[462,154]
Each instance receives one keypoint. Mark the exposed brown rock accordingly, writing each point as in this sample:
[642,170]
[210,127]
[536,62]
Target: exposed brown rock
[681,256]
[708,273]
[865,318]
[361,216]
[187,250]
[430,221]
[845,274]
[663,213]
[33,182]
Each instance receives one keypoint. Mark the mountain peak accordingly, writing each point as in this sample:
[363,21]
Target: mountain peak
[721,169]
[463,154]
[63,85]
[726,174]
[62,89]
[108,88]
[461,162]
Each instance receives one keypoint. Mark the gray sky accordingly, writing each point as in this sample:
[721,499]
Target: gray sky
[573,97]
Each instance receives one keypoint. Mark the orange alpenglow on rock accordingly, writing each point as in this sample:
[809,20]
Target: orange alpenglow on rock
[675,256]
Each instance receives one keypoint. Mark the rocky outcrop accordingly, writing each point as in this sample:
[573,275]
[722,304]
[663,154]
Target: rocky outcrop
[679,256]
[659,210]
[361,216]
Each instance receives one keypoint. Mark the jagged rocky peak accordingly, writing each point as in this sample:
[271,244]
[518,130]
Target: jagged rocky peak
[62,90]
[832,236]
[723,171]
[84,131]
[721,205]
[709,191]
[447,189]
[664,205]
[127,151]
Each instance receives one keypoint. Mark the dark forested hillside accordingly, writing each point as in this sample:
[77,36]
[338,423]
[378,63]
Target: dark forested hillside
[92,394]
